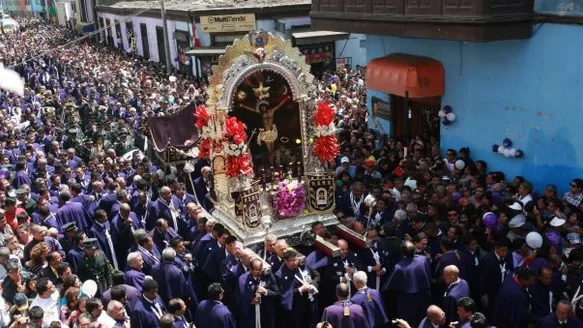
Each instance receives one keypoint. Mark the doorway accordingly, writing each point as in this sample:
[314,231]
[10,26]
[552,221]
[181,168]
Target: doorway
[145,43]
[160,41]
[423,118]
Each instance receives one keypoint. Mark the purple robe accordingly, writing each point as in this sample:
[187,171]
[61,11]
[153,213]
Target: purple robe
[21,178]
[99,232]
[143,315]
[73,257]
[317,259]
[73,212]
[411,279]
[373,306]
[132,295]
[172,283]
[454,292]
[122,236]
[299,311]
[451,257]
[161,240]
[275,262]
[212,267]
[367,257]
[246,288]
[159,210]
[135,278]
[212,314]
[513,305]
[336,315]
[150,258]
[106,202]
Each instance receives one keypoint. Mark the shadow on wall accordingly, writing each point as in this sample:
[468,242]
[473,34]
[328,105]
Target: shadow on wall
[556,165]
[547,159]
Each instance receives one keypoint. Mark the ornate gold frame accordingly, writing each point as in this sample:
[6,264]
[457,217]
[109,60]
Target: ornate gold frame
[241,59]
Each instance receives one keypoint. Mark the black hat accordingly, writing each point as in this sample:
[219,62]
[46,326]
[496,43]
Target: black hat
[69,227]
[90,243]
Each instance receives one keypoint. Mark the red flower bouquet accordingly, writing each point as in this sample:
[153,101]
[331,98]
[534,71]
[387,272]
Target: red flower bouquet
[201,123]
[238,159]
[325,142]
[326,148]
[202,117]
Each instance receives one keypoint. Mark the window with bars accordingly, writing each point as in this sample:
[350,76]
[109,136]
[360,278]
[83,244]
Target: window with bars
[223,40]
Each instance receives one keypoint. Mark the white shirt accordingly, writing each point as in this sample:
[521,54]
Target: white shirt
[106,320]
[50,306]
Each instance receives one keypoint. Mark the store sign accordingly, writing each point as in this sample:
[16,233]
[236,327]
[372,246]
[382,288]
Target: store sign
[320,54]
[381,108]
[228,23]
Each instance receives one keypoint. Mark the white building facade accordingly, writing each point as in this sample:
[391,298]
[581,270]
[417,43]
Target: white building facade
[144,35]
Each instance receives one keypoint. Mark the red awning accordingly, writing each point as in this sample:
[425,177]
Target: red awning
[403,74]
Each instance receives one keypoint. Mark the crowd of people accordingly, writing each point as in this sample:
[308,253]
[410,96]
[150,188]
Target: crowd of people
[90,237]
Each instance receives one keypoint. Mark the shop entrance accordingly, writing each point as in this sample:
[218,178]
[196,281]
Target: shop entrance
[416,85]
[320,57]
[415,117]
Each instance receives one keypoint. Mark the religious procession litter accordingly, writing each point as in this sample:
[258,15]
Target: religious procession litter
[97,231]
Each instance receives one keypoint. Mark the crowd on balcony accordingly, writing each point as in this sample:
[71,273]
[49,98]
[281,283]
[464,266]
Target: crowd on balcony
[94,234]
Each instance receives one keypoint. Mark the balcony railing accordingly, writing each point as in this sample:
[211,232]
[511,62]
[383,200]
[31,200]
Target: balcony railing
[421,12]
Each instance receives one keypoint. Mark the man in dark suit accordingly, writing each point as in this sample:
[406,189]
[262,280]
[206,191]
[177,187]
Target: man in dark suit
[108,200]
[435,318]
[50,271]
[257,289]
[212,267]
[494,269]
[149,308]
[457,288]
[211,313]
[202,185]
[298,289]
[562,317]
[513,303]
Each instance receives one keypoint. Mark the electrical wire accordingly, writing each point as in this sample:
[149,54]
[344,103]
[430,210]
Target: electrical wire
[90,34]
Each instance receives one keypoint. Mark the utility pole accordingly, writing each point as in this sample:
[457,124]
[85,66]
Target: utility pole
[166,41]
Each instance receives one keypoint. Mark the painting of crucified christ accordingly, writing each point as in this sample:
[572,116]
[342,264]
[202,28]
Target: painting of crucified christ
[263,101]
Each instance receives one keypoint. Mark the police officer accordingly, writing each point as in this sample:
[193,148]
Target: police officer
[69,231]
[94,265]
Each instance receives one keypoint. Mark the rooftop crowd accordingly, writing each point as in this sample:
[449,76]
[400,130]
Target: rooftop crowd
[91,237]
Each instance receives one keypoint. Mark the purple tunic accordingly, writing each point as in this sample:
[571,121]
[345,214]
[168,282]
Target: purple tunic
[344,314]
[411,279]
[212,314]
[454,292]
[373,306]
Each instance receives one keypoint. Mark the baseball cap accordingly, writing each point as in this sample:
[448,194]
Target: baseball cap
[557,221]
[344,160]
[20,302]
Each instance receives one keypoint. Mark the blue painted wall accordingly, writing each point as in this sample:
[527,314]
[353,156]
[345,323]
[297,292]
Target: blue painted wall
[530,91]
[37,6]
[560,7]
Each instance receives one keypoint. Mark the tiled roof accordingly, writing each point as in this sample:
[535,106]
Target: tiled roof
[207,5]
